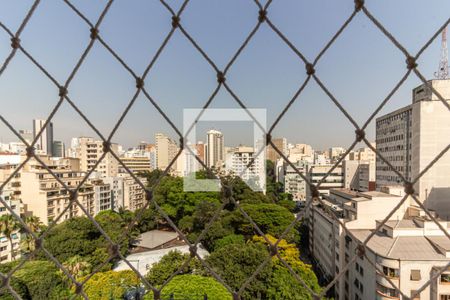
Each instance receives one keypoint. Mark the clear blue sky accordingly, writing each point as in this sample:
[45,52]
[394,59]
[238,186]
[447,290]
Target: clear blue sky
[360,68]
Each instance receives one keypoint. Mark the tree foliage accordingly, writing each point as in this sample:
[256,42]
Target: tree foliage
[235,263]
[190,286]
[43,280]
[110,284]
[169,264]
[271,219]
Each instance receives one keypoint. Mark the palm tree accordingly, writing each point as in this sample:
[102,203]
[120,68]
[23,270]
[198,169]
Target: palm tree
[77,266]
[8,227]
[34,224]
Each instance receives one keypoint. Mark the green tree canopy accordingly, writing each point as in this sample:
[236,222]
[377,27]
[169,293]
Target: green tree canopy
[110,284]
[283,284]
[169,264]
[271,218]
[76,236]
[235,263]
[43,280]
[190,286]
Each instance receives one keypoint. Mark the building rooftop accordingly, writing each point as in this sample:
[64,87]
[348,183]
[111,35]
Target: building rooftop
[401,247]
[442,242]
[402,224]
[143,261]
[378,194]
[155,238]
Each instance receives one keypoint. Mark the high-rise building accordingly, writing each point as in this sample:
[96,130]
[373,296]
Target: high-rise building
[301,152]
[27,135]
[166,150]
[43,196]
[335,153]
[359,170]
[238,162]
[315,173]
[280,144]
[215,149]
[200,150]
[59,149]
[136,164]
[408,250]
[44,144]
[294,184]
[410,138]
[89,152]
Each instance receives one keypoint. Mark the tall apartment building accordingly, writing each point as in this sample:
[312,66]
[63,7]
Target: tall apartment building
[334,153]
[44,144]
[215,149]
[89,151]
[300,152]
[200,151]
[27,135]
[134,196]
[411,137]
[102,196]
[280,144]
[13,241]
[359,175]
[136,164]
[294,184]
[117,190]
[237,162]
[58,149]
[42,195]
[408,249]
[166,150]
[187,162]
[335,180]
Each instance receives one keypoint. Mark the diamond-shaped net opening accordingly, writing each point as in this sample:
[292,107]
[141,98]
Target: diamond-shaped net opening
[235,243]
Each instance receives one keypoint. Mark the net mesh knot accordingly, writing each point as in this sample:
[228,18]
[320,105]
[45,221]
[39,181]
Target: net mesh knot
[360,134]
[310,69]
[139,83]
[175,21]
[106,146]
[62,91]
[409,188]
[359,4]
[15,42]
[262,15]
[411,63]
[314,191]
[94,33]
[220,77]
[30,151]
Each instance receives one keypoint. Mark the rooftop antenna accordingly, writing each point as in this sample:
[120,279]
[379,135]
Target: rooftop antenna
[442,73]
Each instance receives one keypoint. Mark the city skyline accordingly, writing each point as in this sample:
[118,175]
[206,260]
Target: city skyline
[104,86]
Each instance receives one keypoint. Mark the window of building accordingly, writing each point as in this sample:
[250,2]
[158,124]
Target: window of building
[415,275]
[445,297]
[387,291]
[390,272]
[445,278]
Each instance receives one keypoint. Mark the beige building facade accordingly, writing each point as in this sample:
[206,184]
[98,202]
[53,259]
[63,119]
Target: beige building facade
[89,152]
[408,249]
[410,138]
